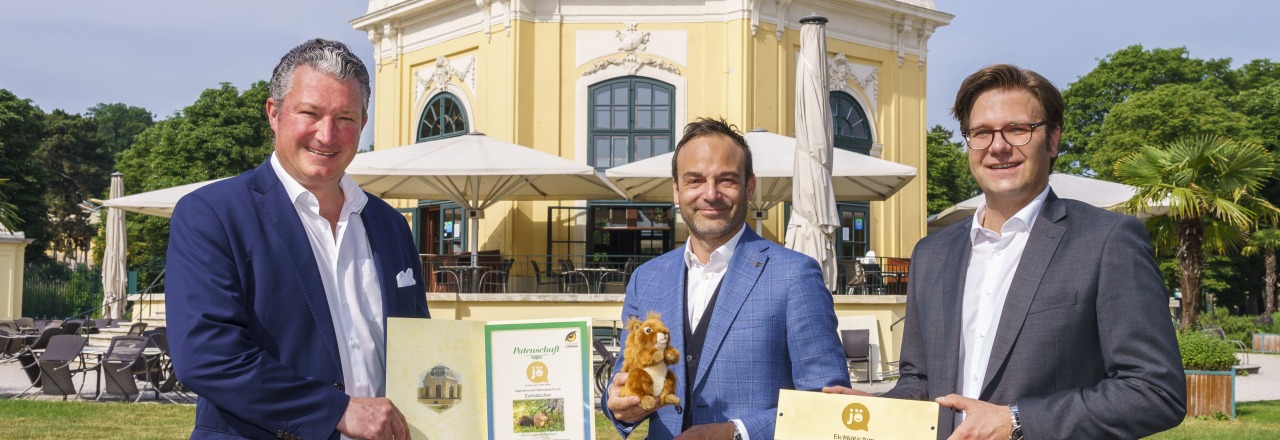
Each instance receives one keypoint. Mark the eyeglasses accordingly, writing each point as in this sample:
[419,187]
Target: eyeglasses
[1016,134]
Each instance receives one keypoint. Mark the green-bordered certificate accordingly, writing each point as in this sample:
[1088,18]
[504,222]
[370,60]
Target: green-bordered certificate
[811,415]
[495,380]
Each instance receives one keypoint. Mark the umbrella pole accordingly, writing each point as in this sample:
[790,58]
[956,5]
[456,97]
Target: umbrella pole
[758,219]
[475,222]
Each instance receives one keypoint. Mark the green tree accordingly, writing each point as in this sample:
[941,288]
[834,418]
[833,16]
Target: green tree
[1266,241]
[1261,108]
[948,165]
[78,169]
[117,125]
[8,212]
[21,124]
[223,133]
[1205,180]
[1118,75]
[1159,117]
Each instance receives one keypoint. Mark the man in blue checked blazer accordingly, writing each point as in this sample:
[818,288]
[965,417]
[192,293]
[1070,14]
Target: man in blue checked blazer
[280,280]
[749,317]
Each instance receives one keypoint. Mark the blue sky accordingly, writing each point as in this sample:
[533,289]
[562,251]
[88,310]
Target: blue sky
[157,54]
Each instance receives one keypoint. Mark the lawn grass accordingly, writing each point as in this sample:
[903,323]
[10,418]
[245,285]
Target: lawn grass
[28,419]
[42,419]
[1254,420]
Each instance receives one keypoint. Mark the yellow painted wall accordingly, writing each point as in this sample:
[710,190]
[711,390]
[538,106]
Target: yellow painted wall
[11,267]
[526,92]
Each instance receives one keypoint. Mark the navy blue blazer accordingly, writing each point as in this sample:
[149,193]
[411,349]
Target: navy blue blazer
[248,321]
[773,327]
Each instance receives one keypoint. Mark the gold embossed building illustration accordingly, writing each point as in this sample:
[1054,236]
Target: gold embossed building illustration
[440,387]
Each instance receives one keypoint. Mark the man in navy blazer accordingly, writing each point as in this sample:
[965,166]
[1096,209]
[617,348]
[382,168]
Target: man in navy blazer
[749,317]
[1038,317]
[280,280]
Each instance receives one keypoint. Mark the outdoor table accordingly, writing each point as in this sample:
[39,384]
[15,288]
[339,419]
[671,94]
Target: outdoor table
[598,273]
[467,275]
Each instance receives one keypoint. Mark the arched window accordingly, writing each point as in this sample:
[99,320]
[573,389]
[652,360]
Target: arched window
[852,128]
[442,117]
[631,119]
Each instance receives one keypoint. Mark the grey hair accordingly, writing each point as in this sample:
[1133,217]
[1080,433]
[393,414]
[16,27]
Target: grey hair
[327,56]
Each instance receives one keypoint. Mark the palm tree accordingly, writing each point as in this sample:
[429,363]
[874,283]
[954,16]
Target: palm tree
[1203,180]
[1266,241]
[8,212]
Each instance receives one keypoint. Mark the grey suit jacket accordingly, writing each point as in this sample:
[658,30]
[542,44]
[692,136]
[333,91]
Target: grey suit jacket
[1085,345]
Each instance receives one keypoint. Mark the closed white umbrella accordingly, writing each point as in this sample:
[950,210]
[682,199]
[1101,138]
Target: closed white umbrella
[476,171]
[814,218]
[114,278]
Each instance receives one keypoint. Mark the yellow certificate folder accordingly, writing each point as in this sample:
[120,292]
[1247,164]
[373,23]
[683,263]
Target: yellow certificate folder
[811,415]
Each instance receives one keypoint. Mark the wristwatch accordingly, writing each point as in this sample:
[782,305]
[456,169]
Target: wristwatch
[1016,434]
[737,435]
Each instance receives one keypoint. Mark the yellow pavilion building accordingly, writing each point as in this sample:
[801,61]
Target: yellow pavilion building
[608,82]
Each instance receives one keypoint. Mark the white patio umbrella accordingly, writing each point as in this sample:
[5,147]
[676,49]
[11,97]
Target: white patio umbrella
[158,203]
[814,218]
[1100,193]
[114,278]
[476,171]
[855,177]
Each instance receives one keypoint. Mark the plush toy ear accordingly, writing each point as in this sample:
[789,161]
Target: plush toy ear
[633,323]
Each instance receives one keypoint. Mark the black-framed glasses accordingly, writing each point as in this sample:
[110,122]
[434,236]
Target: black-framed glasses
[1016,134]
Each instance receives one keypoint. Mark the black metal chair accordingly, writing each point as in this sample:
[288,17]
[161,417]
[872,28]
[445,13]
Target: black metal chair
[137,328]
[551,278]
[857,348]
[57,369]
[121,364]
[27,356]
[497,279]
[572,280]
[163,379]
[443,279]
[72,327]
[619,278]
[855,278]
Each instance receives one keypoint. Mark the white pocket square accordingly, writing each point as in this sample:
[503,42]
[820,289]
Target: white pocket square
[405,279]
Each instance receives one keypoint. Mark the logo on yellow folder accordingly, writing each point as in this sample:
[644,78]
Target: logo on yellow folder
[856,416]
[536,372]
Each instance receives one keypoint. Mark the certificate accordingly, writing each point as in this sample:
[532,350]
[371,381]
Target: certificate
[496,380]
[813,415]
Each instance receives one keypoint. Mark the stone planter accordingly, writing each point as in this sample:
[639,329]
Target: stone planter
[1266,342]
[1211,392]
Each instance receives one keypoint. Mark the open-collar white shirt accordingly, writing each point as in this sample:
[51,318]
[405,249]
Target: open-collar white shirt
[350,282]
[993,259]
[703,279]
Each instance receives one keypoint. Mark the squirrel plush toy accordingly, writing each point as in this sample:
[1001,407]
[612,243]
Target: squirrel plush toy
[645,361]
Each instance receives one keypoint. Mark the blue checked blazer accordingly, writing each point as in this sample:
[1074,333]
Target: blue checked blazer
[773,327]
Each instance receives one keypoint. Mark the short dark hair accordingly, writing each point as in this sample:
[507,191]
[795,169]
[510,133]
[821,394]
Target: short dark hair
[1006,77]
[330,57]
[712,127]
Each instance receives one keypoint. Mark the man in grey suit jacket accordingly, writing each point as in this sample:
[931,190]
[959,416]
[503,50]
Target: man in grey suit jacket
[749,317]
[1038,317]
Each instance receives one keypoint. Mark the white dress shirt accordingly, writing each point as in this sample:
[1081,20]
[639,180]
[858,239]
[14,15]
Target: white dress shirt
[993,259]
[350,283]
[703,281]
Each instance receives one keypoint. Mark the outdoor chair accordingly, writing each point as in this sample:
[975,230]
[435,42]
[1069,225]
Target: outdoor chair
[441,279]
[137,328]
[57,369]
[26,325]
[51,323]
[72,327]
[27,357]
[497,279]
[10,325]
[571,279]
[551,278]
[90,327]
[619,278]
[122,362]
[11,343]
[857,349]
[163,379]
[855,278]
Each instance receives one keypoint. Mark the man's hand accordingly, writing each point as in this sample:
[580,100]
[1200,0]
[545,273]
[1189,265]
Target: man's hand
[626,409]
[374,418]
[982,420]
[845,390]
[711,431]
